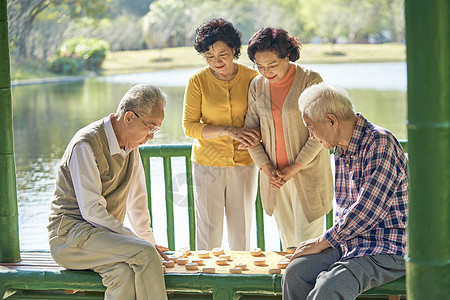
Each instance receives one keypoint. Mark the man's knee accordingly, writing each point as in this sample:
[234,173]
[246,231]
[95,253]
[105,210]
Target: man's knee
[293,271]
[296,274]
[297,282]
[303,268]
[145,255]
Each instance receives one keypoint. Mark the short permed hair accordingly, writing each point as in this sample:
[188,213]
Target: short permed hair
[218,30]
[276,40]
[321,99]
[143,99]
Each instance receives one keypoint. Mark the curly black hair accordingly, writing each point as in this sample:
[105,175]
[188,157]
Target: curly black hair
[218,30]
[275,40]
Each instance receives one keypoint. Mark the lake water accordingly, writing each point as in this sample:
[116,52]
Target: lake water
[46,117]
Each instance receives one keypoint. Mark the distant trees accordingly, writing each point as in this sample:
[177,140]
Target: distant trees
[353,19]
[173,22]
[23,14]
[38,27]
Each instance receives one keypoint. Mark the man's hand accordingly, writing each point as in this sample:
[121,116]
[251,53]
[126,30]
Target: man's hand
[160,250]
[312,246]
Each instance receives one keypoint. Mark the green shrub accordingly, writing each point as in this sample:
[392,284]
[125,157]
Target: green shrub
[66,65]
[91,52]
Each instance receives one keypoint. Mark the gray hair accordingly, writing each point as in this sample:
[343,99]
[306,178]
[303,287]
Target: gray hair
[321,99]
[143,99]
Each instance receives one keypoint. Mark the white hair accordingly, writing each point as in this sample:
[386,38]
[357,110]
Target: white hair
[321,99]
[142,98]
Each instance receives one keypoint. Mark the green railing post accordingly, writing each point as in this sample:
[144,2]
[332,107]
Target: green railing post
[166,152]
[259,213]
[148,183]
[428,56]
[169,202]
[9,226]
[190,198]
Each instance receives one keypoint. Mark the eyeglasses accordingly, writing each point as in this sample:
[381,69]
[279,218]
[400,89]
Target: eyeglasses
[154,130]
[268,69]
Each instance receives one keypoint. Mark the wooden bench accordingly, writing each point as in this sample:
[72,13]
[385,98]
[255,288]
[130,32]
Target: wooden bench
[38,276]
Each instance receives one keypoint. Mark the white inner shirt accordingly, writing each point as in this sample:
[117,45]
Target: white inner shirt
[87,186]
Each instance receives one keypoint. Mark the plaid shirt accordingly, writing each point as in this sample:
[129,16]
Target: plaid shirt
[371,189]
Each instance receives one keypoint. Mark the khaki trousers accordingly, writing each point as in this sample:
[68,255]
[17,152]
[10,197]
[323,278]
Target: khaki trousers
[292,224]
[216,188]
[130,267]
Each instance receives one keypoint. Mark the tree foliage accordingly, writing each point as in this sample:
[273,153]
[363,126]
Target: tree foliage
[23,13]
[173,22]
[38,27]
[353,19]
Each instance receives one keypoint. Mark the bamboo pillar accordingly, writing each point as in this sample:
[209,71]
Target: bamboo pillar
[428,57]
[9,229]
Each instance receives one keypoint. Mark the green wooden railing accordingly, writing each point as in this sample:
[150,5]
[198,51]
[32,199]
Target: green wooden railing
[166,152]
[40,283]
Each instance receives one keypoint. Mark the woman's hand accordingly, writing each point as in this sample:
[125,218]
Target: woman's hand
[290,171]
[248,137]
[276,179]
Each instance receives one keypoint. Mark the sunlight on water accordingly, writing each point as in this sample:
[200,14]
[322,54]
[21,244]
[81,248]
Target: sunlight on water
[47,116]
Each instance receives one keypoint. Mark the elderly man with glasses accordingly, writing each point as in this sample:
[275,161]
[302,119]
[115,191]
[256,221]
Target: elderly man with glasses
[100,184]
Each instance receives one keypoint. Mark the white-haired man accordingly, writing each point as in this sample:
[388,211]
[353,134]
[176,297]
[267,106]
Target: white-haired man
[366,245]
[100,183]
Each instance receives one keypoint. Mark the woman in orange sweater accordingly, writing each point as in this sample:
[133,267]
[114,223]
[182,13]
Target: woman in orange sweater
[296,182]
[215,104]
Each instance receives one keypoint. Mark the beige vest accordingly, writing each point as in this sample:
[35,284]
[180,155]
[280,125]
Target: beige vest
[115,176]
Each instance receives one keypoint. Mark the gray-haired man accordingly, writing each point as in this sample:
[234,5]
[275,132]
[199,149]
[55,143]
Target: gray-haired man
[366,245]
[100,183]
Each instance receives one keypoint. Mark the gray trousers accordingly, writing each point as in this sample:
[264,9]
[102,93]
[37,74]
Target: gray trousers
[323,276]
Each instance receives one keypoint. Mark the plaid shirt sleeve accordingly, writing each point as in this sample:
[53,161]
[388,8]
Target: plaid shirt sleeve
[376,192]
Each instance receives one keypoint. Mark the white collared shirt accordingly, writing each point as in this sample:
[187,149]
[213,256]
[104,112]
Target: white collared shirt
[87,186]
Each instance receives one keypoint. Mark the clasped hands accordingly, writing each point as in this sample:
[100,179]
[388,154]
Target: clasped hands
[278,178]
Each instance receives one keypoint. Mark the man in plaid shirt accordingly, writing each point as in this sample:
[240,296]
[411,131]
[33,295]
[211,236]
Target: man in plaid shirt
[366,245]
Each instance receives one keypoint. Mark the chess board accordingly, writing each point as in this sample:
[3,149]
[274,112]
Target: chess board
[237,257]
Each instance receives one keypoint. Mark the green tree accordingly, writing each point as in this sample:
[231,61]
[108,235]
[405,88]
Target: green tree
[23,13]
[130,7]
[163,21]
[173,22]
[351,18]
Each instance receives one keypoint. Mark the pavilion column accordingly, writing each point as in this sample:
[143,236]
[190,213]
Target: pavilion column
[9,229]
[428,57]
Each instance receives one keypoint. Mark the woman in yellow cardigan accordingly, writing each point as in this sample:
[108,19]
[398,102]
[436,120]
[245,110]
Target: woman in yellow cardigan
[215,104]
[296,182]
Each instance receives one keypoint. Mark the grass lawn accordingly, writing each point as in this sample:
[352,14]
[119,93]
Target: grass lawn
[29,68]
[187,57]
